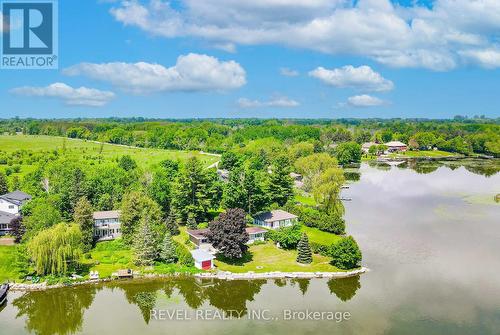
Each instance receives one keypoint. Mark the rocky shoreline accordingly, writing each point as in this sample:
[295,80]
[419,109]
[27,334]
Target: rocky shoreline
[221,275]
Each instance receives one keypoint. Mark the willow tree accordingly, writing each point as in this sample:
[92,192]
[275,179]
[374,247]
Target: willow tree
[54,249]
[326,190]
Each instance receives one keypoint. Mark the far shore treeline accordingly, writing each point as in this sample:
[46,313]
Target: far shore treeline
[461,135]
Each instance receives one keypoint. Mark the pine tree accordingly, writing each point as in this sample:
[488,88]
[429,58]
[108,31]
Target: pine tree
[168,247]
[4,188]
[280,187]
[145,245]
[191,222]
[304,255]
[83,217]
[171,223]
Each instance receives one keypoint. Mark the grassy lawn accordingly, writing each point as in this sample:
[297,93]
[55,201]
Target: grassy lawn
[7,260]
[145,157]
[108,257]
[305,199]
[423,153]
[321,237]
[267,257]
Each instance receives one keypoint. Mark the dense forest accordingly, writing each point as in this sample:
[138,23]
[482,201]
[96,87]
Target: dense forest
[460,135]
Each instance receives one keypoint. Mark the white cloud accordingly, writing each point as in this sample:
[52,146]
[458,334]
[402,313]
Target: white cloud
[365,100]
[488,58]
[82,96]
[278,102]
[284,71]
[192,72]
[415,36]
[361,78]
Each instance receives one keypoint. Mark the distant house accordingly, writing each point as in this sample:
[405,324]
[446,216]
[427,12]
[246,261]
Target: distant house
[366,146]
[107,225]
[13,202]
[5,219]
[395,146]
[199,237]
[275,219]
[203,260]
[297,179]
[223,175]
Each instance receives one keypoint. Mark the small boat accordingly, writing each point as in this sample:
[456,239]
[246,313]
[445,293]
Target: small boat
[3,293]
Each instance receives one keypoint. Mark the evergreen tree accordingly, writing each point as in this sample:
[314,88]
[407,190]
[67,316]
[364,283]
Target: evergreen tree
[83,217]
[135,207]
[191,222]
[245,190]
[191,191]
[145,244]
[304,254]
[280,187]
[4,188]
[171,224]
[228,233]
[168,249]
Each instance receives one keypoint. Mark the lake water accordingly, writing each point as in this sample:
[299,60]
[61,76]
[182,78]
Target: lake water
[430,233]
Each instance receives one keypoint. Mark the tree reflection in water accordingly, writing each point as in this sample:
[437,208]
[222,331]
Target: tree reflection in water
[55,312]
[345,289]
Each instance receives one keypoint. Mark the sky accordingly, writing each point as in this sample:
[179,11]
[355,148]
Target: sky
[266,59]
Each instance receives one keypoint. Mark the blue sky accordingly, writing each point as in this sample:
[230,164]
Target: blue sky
[275,58]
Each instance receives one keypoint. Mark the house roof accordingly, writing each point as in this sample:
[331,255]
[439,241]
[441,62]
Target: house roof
[395,144]
[255,230]
[106,215]
[6,217]
[202,233]
[276,215]
[200,255]
[17,197]
[198,233]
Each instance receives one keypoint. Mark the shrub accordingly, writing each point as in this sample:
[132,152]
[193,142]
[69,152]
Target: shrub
[184,256]
[319,248]
[345,253]
[287,237]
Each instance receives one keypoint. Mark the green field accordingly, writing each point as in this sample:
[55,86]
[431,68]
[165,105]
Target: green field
[145,157]
[267,258]
[7,261]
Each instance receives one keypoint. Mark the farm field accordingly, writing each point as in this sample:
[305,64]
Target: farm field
[75,148]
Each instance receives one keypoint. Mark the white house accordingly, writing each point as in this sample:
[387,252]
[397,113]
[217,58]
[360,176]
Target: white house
[275,219]
[107,225]
[13,202]
[203,260]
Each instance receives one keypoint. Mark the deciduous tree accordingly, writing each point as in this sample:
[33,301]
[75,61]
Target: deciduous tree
[228,233]
[83,217]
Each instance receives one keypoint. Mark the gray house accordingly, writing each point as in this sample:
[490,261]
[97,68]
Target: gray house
[107,225]
[275,219]
[5,219]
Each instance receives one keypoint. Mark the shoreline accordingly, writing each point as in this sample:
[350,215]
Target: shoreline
[221,275]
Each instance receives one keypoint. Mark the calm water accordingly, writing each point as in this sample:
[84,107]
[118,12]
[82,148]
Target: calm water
[430,234]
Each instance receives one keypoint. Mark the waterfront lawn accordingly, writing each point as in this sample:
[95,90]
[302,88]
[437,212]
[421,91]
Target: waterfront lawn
[8,270]
[108,257]
[321,237]
[267,258]
[423,153]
